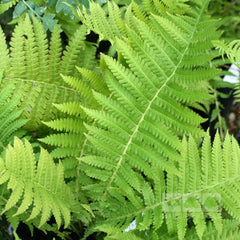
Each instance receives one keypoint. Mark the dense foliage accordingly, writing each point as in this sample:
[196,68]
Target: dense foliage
[92,146]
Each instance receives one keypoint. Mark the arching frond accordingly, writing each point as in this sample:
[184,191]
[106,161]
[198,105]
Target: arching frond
[166,6]
[135,137]
[150,93]
[78,53]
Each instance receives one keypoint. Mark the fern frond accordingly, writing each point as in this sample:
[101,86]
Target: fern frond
[55,52]
[137,129]
[95,79]
[64,140]
[144,110]
[164,7]
[72,56]
[212,186]
[4,57]
[80,86]
[232,50]
[34,68]
[109,23]
[107,27]
[66,124]
[35,188]
[9,115]
[72,128]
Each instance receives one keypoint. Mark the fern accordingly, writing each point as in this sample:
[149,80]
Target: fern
[34,68]
[36,188]
[108,28]
[148,107]
[71,141]
[134,140]
[210,187]
[232,50]
[109,24]
[10,123]
[129,145]
[134,135]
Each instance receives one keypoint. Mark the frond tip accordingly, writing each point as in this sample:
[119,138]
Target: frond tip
[37,189]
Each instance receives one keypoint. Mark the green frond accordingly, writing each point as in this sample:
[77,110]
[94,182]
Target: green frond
[55,52]
[35,188]
[4,57]
[34,68]
[71,108]
[230,231]
[232,50]
[149,6]
[72,56]
[63,140]
[107,27]
[87,58]
[71,141]
[96,80]
[62,152]
[114,233]
[81,87]
[175,7]
[143,96]
[149,105]
[110,23]
[66,124]
[10,122]
[206,192]
[139,12]
[43,54]
[199,200]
